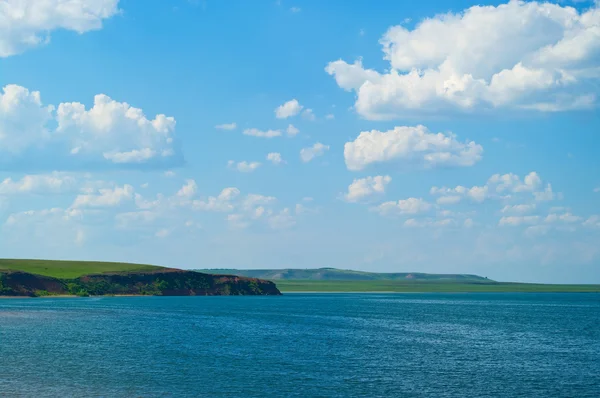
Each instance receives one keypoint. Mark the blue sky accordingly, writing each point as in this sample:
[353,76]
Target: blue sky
[433,137]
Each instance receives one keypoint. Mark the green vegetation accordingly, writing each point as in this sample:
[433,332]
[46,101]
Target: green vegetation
[334,274]
[71,269]
[79,278]
[288,286]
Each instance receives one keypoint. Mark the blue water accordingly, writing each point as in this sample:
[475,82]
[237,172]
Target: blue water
[305,345]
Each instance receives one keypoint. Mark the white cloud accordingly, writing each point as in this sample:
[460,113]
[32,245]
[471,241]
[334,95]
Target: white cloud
[295,9]
[226,126]
[39,184]
[289,109]
[23,119]
[498,186]
[330,116]
[592,222]
[252,200]
[105,197]
[526,55]
[263,134]
[244,167]
[448,200]
[163,233]
[519,220]
[365,187]
[275,158]
[221,203]
[292,131]
[416,223]
[597,189]
[308,154]
[308,114]
[110,132]
[26,24]
[512,183]
[133,156]
[546,195]
[133,219]
[405,206]
[519,209]
[121,132]
[282,220]
[188,190]
[567,218]
[410,144]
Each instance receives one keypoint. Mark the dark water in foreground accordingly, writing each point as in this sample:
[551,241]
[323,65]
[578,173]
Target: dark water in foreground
[325,345]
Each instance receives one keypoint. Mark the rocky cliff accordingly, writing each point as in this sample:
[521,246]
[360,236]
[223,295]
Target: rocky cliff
[164,282]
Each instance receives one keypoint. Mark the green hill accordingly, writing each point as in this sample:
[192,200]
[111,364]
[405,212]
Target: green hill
[36,278]
[71,269]
[334,274]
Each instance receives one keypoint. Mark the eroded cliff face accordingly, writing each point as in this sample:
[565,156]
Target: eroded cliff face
[166,282]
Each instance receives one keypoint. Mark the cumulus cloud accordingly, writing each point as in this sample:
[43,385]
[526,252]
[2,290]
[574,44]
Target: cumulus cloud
[26,24]
[23,119]
[519,209]
[308,154]
[546,195]
[220,203]
[121,132]
[275,158]
[226,126]
[498,186]
[292,131]
[244,167]
[282,220]
[404,206]
[39,184]
[428,222]
[308,114]
[518,220]
[592,222]
[566,218]
[411,145]
[110,132]
[263,134]
[188,190]
[105,197]
[527,55]
[288,109]
[364,187]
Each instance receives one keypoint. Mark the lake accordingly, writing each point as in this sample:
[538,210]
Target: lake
[304,345]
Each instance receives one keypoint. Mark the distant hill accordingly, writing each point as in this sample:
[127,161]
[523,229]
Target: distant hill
[334,274]
[84,278]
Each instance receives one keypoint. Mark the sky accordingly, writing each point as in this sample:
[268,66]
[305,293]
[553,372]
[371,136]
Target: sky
[439,136]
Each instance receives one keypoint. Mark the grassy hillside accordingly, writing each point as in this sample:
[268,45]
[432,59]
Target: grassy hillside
[289,286]
[71,269]
[36,278]
[334,274]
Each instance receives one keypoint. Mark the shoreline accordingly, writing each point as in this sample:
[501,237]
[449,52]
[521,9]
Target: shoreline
[424,292]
